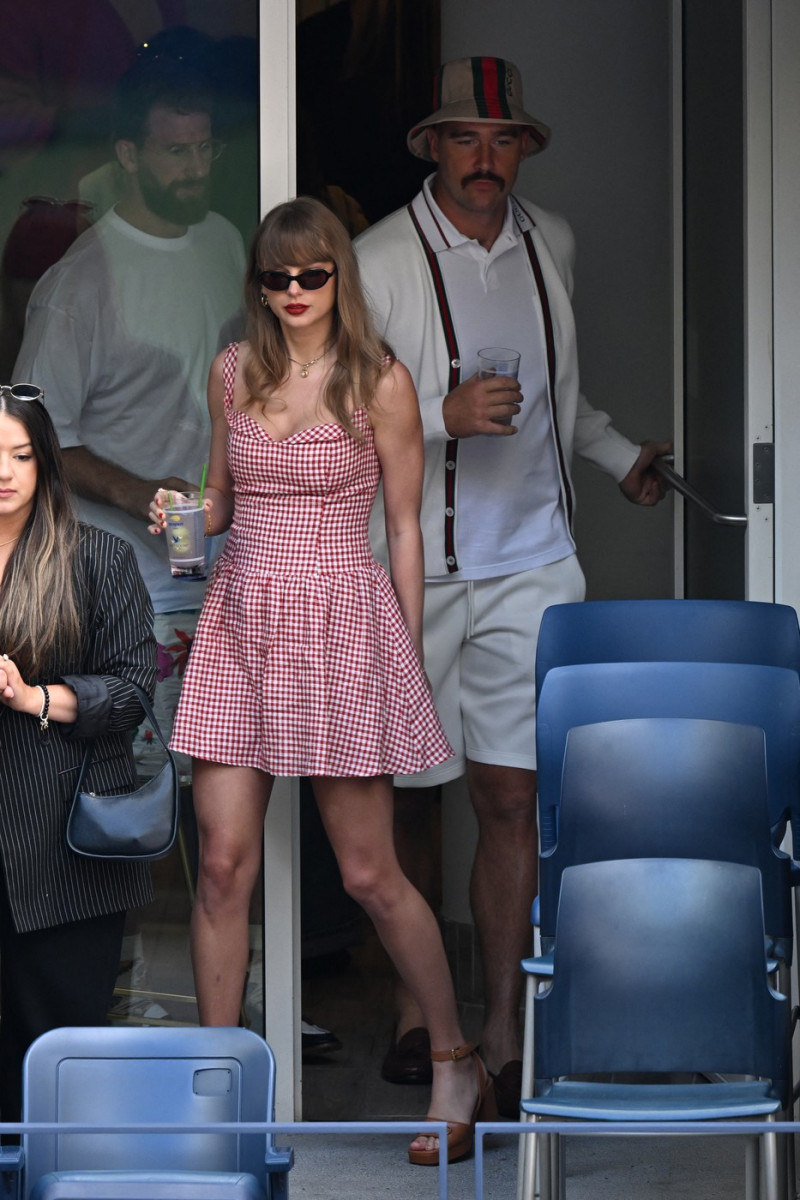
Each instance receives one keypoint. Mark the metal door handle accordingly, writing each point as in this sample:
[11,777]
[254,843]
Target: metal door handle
[681,485]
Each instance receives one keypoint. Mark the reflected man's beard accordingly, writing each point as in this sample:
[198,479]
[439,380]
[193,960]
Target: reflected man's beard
[166,201]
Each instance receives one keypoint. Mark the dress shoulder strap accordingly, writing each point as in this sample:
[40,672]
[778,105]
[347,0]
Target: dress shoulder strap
[229,374]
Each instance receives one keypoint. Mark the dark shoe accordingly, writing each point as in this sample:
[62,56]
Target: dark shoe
[408,1059]
[317,1040]
[508,1089]
[460,1134]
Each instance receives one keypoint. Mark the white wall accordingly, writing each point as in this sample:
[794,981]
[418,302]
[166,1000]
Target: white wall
[598,74]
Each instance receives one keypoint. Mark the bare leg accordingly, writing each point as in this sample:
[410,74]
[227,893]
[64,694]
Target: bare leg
[357,814]
[502,889]
[230,803]
[413,839]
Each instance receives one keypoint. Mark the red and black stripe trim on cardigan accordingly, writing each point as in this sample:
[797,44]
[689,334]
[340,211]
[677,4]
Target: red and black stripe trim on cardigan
[550,347]
[451,450]
[488,81]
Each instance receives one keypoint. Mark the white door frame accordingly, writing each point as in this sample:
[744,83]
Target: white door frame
[281,946]
[786,283]
[758,289]
[759,238]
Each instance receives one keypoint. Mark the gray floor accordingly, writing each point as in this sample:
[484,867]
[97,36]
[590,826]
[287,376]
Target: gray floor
[329,1168]
[355,1001]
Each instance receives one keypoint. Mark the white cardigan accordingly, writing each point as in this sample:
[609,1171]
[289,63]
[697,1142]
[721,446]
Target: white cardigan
[400,289]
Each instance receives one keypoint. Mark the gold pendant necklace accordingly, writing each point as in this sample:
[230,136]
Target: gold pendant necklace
[306,366]
[10,540]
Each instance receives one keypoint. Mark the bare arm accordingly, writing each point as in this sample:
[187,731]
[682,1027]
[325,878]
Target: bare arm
[22,697]
[398,440]
[218,492]
[96,479]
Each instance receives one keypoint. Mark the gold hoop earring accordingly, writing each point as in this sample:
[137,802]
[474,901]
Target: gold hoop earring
[264,301]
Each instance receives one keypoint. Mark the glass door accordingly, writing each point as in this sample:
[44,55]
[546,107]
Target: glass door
[61,68]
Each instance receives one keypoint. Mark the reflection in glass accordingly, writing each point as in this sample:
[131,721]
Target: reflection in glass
[133,290]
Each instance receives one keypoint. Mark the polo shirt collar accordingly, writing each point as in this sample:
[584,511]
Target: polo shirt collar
[441,233]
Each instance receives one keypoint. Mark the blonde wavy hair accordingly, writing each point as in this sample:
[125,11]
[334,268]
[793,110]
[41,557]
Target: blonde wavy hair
[296,233]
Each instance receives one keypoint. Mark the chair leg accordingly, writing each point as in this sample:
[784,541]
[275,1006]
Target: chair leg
[532,1173]
[531,985]
[752,1168]
[526,1165]
[545,1164]
[560,1191]
[786,1159]
[771,1166]
[525,1179]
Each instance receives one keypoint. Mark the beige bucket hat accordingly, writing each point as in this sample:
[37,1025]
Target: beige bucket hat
[478,89]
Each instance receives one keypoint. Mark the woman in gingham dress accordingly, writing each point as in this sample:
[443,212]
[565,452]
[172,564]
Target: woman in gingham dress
[307,658]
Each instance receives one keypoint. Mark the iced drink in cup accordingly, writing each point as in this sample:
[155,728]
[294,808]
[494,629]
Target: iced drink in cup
[498,360]
[186,545]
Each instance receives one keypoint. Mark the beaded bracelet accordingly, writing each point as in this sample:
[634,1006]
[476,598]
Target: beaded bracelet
[44,720]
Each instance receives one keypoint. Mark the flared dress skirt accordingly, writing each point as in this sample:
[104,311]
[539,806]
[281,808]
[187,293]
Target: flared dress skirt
[302,663]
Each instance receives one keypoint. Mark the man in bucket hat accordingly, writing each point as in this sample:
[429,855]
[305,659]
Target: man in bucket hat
[469,265]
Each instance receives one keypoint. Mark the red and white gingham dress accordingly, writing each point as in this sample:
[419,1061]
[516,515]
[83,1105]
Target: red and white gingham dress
[302,663]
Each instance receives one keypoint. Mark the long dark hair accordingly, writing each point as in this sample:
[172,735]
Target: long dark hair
[298,232]
[39,619]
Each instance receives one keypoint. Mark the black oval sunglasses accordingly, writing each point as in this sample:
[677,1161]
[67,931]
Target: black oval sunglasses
[310,281]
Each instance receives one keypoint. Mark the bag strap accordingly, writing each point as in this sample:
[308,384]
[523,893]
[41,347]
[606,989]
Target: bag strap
[144,700]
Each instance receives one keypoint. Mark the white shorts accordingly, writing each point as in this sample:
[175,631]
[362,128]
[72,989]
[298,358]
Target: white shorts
[480,649]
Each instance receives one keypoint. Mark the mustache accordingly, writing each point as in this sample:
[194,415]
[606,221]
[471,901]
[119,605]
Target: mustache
[478,175]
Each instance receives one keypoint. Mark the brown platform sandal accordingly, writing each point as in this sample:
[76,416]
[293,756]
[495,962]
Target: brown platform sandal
[460,1134]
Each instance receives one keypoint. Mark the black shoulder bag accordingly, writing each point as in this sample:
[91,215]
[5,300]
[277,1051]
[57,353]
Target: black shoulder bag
[134,826]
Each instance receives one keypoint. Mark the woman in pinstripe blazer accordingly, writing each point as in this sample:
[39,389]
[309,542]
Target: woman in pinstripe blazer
[75,628]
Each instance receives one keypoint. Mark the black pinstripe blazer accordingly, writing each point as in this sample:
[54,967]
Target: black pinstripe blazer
[47,884]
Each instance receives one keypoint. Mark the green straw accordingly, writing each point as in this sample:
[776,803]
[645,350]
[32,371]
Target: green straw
[203,481]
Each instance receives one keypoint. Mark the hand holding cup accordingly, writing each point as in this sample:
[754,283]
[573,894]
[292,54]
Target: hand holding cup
[498,360]
[182,516]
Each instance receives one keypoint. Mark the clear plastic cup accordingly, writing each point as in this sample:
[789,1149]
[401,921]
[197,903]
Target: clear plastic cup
[186,543]
[498,360]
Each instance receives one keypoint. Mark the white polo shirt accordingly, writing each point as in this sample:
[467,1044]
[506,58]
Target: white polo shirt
[510,515]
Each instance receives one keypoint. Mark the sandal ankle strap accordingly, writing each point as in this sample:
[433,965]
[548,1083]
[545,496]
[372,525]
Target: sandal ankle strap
[454,1055]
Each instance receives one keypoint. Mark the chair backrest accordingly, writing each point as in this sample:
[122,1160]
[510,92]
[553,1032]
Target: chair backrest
[767,697]
[141,1075]
[686,987]
[745,631]
[670,787]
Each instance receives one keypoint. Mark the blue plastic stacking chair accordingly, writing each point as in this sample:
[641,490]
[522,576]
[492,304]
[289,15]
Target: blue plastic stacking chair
[745,694]
[129,1075]
[745,631]
[686,992]
[661,786]
[668,787]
